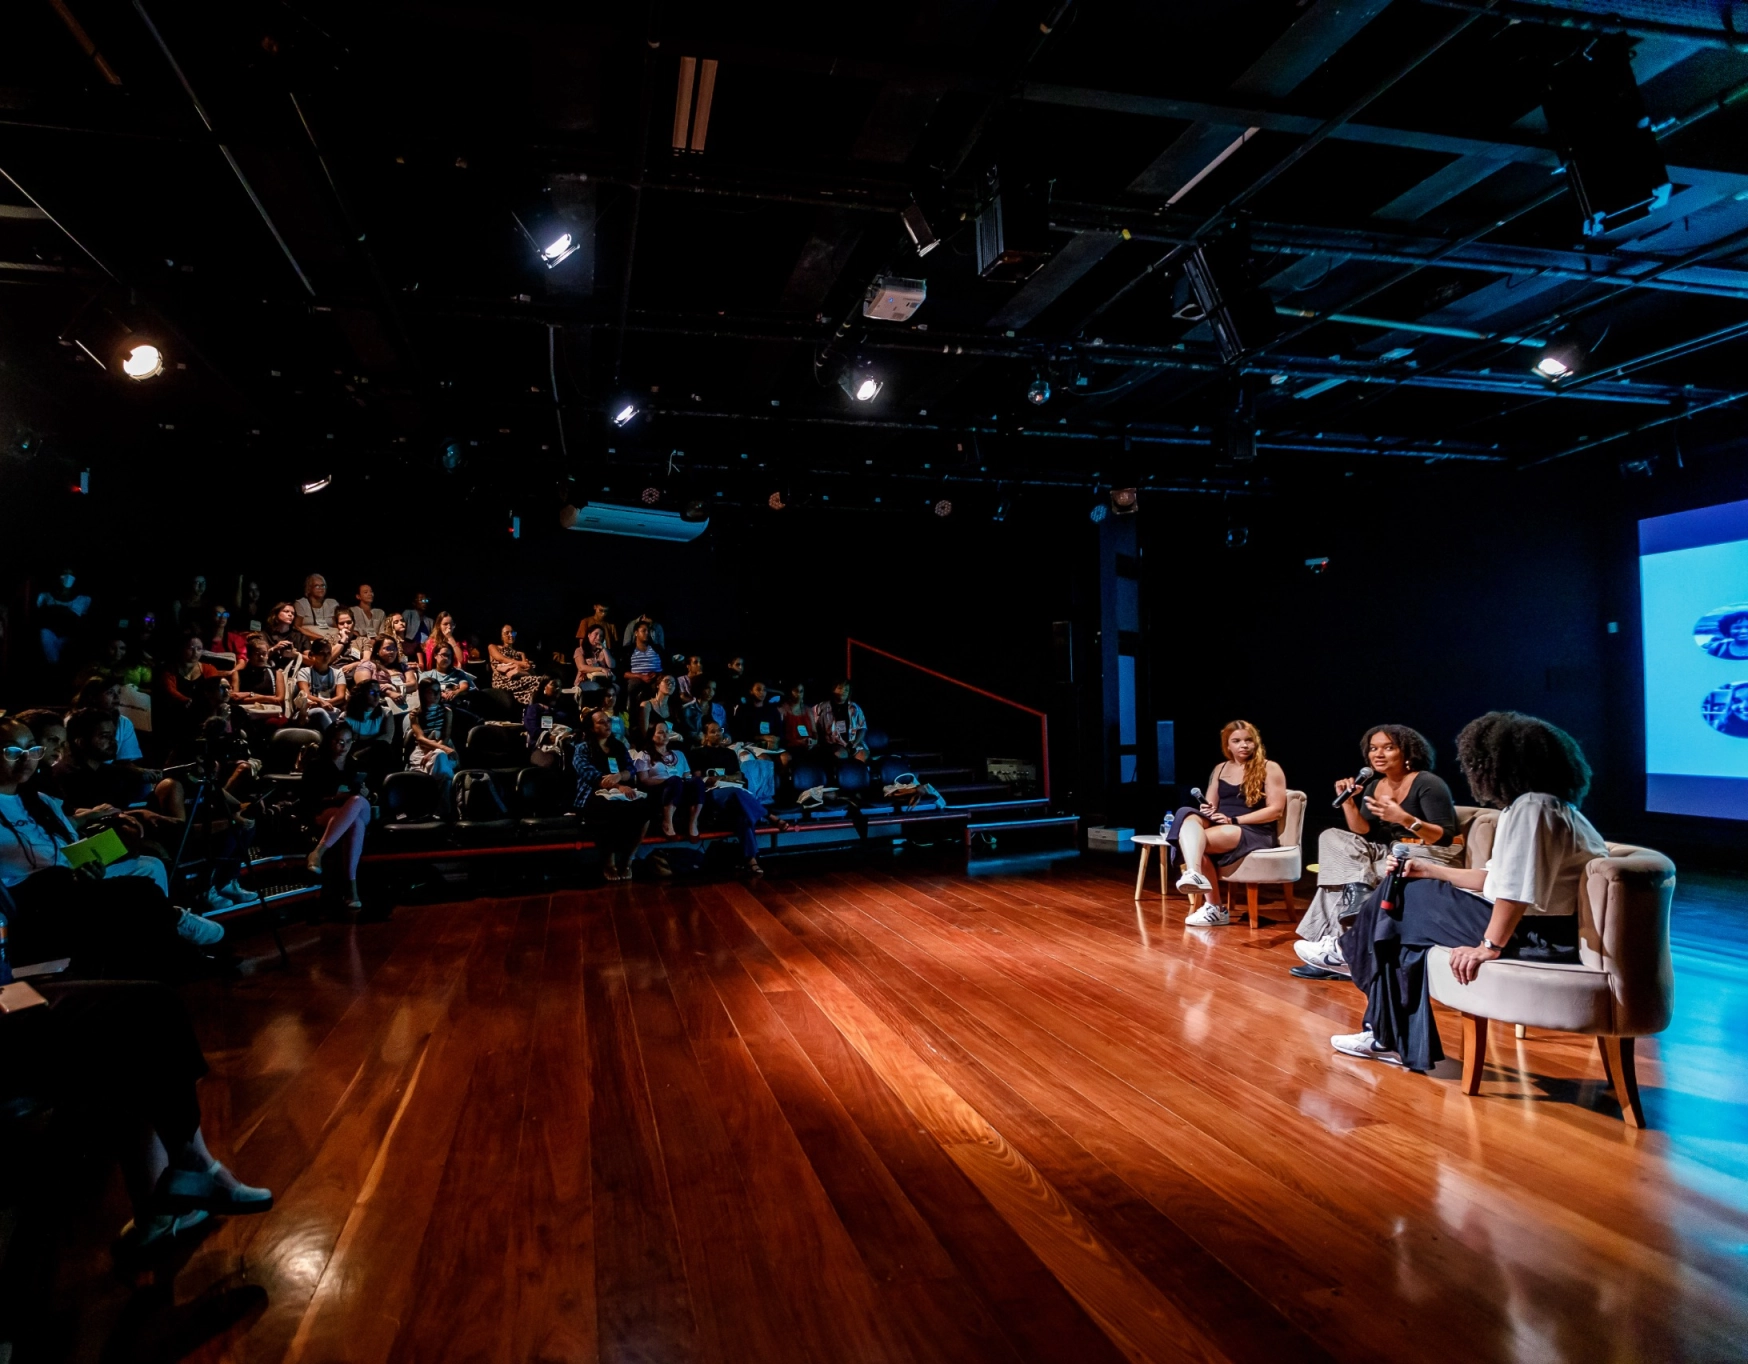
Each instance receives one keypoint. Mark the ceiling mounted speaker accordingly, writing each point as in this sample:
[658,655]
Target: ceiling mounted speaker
[1599,126]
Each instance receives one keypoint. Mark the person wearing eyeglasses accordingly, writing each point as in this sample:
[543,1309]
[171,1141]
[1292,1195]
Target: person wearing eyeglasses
[114,922]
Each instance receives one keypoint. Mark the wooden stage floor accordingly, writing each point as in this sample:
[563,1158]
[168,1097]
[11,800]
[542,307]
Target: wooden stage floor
[900,1114]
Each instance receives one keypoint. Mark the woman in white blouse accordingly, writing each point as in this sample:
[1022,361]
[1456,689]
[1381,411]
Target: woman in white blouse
[1523,903]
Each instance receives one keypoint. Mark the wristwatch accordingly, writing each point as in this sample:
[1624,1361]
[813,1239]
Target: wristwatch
[1490,945]
[1414,826]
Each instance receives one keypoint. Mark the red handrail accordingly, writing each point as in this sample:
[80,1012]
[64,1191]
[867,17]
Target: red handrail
[851,644]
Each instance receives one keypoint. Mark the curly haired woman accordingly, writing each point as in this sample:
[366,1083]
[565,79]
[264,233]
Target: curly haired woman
[1247,795]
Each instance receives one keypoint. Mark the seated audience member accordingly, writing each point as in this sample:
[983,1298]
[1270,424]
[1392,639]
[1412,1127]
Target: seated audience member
[1523,903]
[700,707]
[346,653]
[187,609]
[87,778]
[260,686]
[799,734]
[173,701]
[331,796]
[694,676]
[116,921]
[51,733]
[665,775]
[368,619]
[284,640]
[395,672]
[594,660]
[1247,795]
[315,610]
[216,635]
[609,631]
[612,806]
[443,636]
[547,709]
[661,708]
[657,636]
[645,666]
[428,728]
[247,605]
[223,828]
[512,670]
[727,802]
[756,721]
[321,688]
[841,726]
[733,688]
[1403,803]
[123,1057]
[104,695]
[451,682]
[418,621]
[364,713]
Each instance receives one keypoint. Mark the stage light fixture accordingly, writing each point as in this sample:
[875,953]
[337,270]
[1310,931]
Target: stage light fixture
[1098,513]
[1001,510]
[1559,362]
[625,413]
[922,236]
[943,508]
[142,360]
[651,496]
[1237,537]
[858,379]
[775,502]
[1038,393]
[1124,501]
[560,249]
[315,485]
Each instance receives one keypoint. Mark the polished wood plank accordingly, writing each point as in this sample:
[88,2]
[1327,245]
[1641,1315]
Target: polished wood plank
[903,1114]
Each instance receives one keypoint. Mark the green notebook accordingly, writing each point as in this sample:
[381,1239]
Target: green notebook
[105,846]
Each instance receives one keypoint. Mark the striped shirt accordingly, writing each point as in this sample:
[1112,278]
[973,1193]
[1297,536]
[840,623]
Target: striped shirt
[645,661]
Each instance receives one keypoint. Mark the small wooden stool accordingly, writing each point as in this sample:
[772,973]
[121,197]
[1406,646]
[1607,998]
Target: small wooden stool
[1147,843]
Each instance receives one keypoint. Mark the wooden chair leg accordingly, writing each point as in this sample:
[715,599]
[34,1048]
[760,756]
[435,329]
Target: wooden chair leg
[1250,900]
[1474,1052]
[1287,899]
[1521,1030]
[1617,1060]
[1141,876]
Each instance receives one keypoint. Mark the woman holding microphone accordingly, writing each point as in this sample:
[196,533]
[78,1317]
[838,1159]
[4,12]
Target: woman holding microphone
[1247,795]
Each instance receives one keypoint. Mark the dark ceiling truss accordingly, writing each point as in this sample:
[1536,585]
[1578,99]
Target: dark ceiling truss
[1731,33]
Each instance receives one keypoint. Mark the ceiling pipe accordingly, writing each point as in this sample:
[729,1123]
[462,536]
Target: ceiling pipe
[1640,429]
[652,45]
[224,149]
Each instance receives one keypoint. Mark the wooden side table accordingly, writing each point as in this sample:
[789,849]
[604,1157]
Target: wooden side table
[1147,843]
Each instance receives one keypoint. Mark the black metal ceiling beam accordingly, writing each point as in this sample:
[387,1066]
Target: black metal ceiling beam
[1589,21]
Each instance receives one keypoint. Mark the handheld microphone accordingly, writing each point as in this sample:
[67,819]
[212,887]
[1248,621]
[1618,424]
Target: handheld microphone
[1390,896]
[1196,797]
[1365,775]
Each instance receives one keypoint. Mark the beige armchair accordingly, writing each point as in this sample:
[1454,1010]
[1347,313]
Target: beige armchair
[1281,866]
[1622,987]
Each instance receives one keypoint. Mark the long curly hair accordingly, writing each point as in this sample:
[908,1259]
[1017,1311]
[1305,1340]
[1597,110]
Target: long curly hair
[1506,754]
[1256,771]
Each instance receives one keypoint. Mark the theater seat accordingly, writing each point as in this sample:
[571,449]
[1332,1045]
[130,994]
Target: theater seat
[1621,988]
[494,704]
[877,742]
[498,746]
[412,804]
[482,815]
[546,803]
[856,788]
[283,748]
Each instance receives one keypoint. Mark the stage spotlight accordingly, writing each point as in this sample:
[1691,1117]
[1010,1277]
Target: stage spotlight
[561,248]
[943,508]
[775,502]
[1559,361]
[1124,501]
[1099,512]
[858,379]
[1237,537]
[142,360]
[315,485]
[921,234]
[651,496]
[1001,510]
[625,413]
[1039,392]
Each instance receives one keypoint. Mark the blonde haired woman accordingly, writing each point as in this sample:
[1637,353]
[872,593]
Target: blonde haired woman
[1245,799]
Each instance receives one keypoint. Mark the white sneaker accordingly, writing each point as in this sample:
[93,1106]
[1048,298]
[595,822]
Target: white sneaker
[209,901]
[1362,1045]
[1194,880]
[1325,953]
[235,893]
[190,927]
[1210,915]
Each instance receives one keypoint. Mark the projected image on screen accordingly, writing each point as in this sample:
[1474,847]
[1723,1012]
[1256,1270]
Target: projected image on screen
[1693,579]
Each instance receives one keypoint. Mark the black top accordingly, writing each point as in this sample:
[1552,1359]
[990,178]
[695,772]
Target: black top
[1428,799]
[725,758]
[747,719]
[324,784]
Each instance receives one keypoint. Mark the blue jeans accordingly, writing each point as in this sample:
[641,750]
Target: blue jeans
[735,809]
